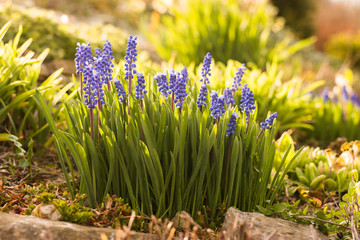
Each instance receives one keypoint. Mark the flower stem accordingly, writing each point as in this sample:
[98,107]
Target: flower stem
[227,169]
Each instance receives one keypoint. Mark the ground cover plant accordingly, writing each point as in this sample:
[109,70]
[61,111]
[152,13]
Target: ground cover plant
[168,147]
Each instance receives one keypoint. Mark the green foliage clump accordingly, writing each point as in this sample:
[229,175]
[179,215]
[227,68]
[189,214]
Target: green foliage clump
[162,159]
[345,46]
[247,32]
[19,81]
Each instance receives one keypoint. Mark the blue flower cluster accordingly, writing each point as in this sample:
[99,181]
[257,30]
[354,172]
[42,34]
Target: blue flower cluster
[355,99]
[162,83]
[205,71]
[107,58]
[180,90]
[82,57]
[247,101]
[130,58]
[172,81]
[121,91]
[229,98]
[139,91]
[90,87]
[325,94]
[268,122]
[217,105]
[237,79]
[185,74]
[232,124]
[345,94]
[202,96]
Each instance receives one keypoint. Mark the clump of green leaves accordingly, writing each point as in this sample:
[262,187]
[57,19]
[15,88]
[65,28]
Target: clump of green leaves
[226,29]
[163,159]
[19,114]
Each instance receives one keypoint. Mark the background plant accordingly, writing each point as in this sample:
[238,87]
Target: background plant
[162,157]
[19,82]
[226,29]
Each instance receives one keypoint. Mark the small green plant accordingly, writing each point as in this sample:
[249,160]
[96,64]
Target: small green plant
[226,29]
[166,146]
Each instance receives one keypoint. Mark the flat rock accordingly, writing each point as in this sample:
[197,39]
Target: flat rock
[22,227]
[245,225]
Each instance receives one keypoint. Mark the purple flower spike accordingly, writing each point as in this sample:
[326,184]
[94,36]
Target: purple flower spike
[202,96]
[268,122]
[247,101]
[140,87]
[325,94]
[180,91]
[130,59]
[108,65]
[90,88]
[205,71]
[82,57]
[237,79]
[355,99]
[229,98]
[162,83]
[232,124]
[121,91]
[184,72]
[172,81]
[345,94]
[217,105]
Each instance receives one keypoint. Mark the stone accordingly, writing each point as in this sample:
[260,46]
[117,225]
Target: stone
[48,211]
[184,221]
[22,227]
[238,224]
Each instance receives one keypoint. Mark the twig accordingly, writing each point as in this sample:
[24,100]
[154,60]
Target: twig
[322,220]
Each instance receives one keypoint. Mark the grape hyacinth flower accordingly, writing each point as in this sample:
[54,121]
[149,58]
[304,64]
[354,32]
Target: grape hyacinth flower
[172,85]
[180,91]
[247,101]
[108,65]
[229,97]
[355,99]
[217,105]
[202,96]
[162,83]
[121,91]
[344,94]
[130,59]
[237,79]
[325,94]
[82,58]
[269,121]
[140,87]
[232,124]
[205,71]
[184,72]
[90,88]
[267,124]
[90,95]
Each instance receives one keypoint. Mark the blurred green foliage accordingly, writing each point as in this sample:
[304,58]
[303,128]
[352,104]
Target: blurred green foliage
[345,46]
[61,38]
[298,15]
[227,30]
